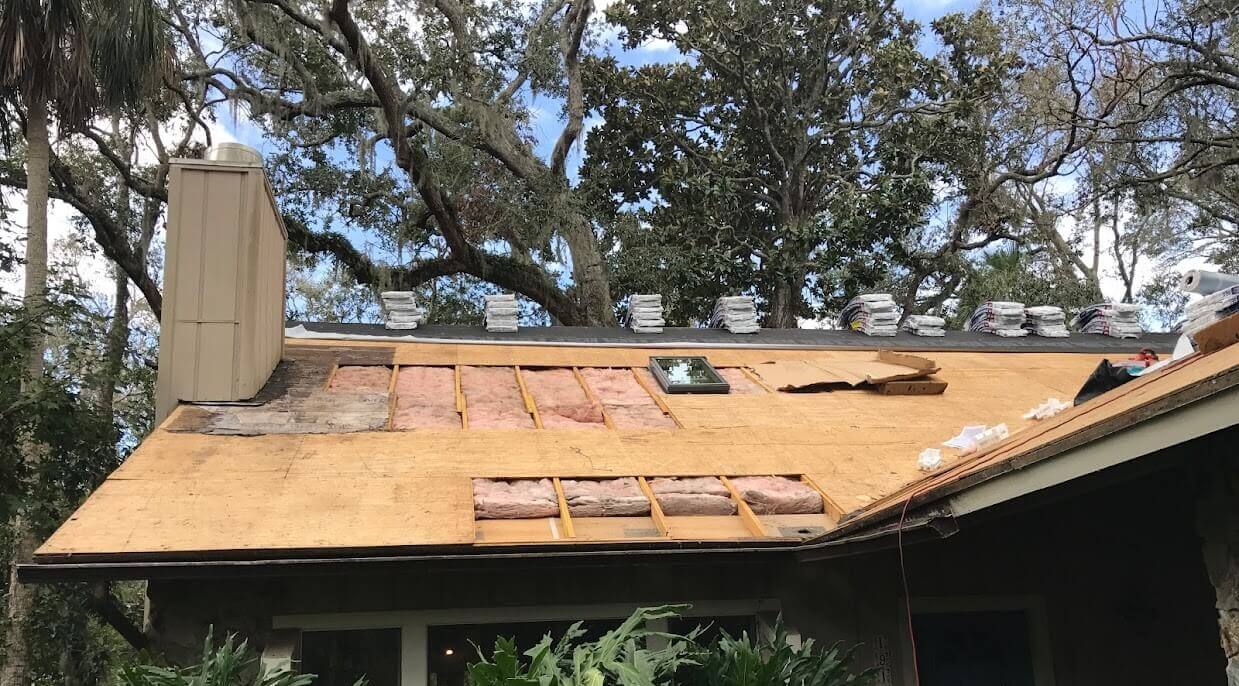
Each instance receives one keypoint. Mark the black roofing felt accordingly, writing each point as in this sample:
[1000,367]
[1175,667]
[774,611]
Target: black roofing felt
[766,338]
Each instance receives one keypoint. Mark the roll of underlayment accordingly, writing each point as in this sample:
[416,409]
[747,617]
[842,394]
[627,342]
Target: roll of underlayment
[1204,283]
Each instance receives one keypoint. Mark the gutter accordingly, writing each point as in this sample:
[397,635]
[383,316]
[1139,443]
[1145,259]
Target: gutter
[921,529]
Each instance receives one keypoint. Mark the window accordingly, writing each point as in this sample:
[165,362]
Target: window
[340,658]
[687,375]
[981,640]
[450,648]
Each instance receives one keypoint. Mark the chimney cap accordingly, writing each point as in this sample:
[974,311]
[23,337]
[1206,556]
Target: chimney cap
[233,152]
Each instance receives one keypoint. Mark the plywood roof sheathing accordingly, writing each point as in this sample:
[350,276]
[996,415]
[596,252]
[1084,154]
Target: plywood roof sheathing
[460,402]
[658,400]
[530,406]
[746,513]
[756,379]
[589,393]
[656,510]
[832,508]
[565,517]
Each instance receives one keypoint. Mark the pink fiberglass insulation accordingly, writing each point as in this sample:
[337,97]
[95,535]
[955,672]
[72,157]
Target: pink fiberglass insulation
[700,495]
[778,495]
[562,403]
[628,404]
[605,497]
[493,399]
[426,399]
[372,379]
[739,381]
[520,499]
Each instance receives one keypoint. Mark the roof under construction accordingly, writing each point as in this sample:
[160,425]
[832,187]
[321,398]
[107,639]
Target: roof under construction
[363,442]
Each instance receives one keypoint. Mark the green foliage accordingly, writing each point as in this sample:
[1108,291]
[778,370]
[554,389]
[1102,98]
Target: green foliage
[620,658]
[1014,275]
[232,663]
[771,662]
[82,445]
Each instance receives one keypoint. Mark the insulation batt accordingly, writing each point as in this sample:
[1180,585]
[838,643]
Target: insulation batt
[562,403]
[739,382]
[493,399]
[778,495]
[426,399]
[626,401]
[521,499]
[605,497]
[702,495]
[365,379]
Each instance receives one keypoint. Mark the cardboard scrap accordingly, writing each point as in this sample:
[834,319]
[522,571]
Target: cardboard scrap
[887,368]
[1217,335]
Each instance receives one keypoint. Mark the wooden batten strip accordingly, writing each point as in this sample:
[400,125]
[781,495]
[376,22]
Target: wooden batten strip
[752,376]
[565,517]
[530,406]
[662,404]
[391,396]
[331,376]
[656,510]
[461,407]
[589,393]
[751,522]
[833,510]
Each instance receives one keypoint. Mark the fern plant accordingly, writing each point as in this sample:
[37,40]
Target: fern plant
[231,664]
[772,661]
[620,657]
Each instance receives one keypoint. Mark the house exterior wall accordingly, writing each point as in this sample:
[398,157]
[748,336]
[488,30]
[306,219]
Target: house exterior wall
[1115,573]
[222,327]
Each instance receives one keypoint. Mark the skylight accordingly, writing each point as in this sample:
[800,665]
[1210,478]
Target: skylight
[687,375]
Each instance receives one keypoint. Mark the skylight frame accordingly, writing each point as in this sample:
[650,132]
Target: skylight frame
[720,386]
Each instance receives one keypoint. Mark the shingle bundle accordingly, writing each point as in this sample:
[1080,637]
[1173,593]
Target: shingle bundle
[501,313]
[1117,320]
[873,314]
[400,310]
[1211,308]
[736,313]
[924,325]
[645,313]
[999,317]
[1046,320]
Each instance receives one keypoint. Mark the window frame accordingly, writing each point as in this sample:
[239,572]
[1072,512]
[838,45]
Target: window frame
[1033,606]
[414,625]
[721,387]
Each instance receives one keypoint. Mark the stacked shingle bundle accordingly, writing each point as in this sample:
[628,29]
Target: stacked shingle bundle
[400,310]
[736,313]
[645,313]
[1117,320]
[1211,308]
[999,317]
[501,313]
[873,314]
[1046,320]
[924,325]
